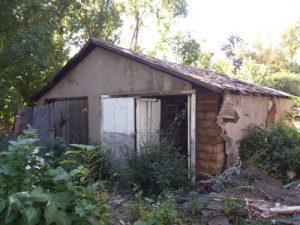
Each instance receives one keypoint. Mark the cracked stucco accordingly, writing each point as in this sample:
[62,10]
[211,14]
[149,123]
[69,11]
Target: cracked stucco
[237,112]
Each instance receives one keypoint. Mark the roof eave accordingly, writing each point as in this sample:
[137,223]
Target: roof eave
[64,70]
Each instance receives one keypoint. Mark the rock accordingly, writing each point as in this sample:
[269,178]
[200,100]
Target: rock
[217,187]
[218,206]
[219,220]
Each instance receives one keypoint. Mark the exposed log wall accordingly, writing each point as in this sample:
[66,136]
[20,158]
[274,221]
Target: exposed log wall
[210,154]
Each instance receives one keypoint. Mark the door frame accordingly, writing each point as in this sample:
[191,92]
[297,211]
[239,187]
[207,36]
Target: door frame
[191,101]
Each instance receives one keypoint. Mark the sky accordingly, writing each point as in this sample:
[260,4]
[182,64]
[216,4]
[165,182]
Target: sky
[215,20]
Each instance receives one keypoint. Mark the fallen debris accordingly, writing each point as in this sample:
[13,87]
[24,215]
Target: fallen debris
[285,209]
[219,220]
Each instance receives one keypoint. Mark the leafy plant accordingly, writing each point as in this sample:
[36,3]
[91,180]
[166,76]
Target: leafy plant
[20,165]
[158,170]
[55,151]
[162,212]
[160,167]
[195,204]
[146,211]
[275,149]
[88,163]
[31,192]
[235,211]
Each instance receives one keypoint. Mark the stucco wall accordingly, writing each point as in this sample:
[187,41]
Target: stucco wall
[239,111]
[104,72]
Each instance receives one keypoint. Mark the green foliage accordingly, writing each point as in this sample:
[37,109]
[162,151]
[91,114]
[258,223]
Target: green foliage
[30,50]
[88,163]
[235,211]
[31,192]
[230,49]
[195,204]
[162,212]
[275,150]
[223,66]
[35,37]
[55,151]
[150,212]
[3,141]
[161,13]
[284,81]
[253,72]
[91,205]
[158,169]
[188,51]
[160,166]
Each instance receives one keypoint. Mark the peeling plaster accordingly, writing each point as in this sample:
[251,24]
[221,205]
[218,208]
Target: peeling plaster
[228,114]
[237,112]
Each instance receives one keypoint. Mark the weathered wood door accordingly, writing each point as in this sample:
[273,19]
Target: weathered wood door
[67,119]
[71,120]
[148,113]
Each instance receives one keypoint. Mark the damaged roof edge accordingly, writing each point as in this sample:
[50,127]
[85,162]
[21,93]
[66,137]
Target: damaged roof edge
[90,45]
[94,42]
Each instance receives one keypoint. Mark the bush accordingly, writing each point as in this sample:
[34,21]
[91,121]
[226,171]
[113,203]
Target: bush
[147,211]
[31,192]
[88,163]
[275,150]
[158,169]
[55,151]
[3,142]
[284,81]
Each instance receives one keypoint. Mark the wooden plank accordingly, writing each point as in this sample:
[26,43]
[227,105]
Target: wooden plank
[22,119]
[285,210]
[42,121]
[78,122]
[192,135]
[61,119]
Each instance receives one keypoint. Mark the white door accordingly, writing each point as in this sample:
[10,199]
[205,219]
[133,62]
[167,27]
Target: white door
[148,113]
[118,125]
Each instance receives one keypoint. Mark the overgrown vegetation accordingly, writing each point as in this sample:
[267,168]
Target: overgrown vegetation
[147,211]
[160,166]
[32,192]
[275,150]
[158,170]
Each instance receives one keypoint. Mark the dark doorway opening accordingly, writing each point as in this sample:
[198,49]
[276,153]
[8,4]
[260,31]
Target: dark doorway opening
[174,111]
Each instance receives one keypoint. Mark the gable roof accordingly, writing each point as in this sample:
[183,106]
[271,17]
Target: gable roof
[209,79]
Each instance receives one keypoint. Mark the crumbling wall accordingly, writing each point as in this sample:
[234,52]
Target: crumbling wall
[239,111]
[210,155]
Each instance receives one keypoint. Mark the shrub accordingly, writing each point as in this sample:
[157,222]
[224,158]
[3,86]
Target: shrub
[160,166]
[162,212]
[288,82]
[31,192]
[55,151]
[88,163]
[3,142]
[150,212]
[275,150]
[158,169]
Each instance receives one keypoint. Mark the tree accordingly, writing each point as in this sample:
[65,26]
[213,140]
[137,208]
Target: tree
[290,44]
[160,12]
[34,40]
[188,51]
[30,49]
[230,48]
[95,18]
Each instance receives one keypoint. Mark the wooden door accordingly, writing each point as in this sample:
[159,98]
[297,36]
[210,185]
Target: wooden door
[148,113]
[71,120]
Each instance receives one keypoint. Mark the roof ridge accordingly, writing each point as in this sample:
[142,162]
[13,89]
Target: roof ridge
[206,78]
